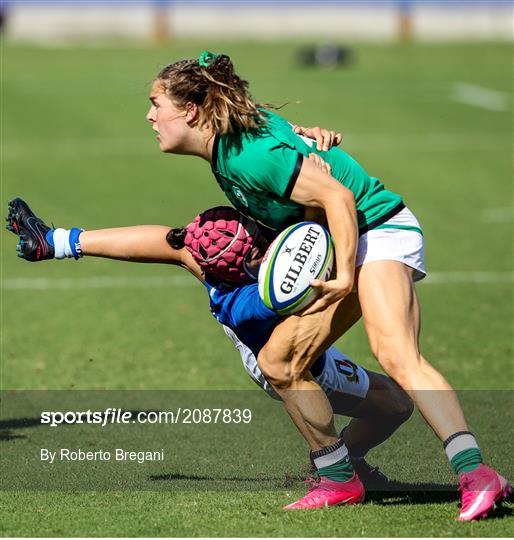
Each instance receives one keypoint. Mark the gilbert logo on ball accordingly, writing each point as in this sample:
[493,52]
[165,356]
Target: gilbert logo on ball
[297,255]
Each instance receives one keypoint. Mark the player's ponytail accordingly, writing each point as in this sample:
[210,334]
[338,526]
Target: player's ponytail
[225,104]
[176,237]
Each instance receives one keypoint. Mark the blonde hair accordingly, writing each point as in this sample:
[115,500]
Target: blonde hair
[225,104]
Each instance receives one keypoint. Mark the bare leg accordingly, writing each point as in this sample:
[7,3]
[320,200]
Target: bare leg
[391,316]
[287,356]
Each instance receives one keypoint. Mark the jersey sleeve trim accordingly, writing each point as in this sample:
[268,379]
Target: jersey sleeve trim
[294,176]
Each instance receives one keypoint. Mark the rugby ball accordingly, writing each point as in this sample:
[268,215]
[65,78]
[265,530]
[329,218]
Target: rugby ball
[298,254]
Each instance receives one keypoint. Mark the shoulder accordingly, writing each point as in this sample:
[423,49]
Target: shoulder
[248,307]
[276,134]
[243,302]
[270,151]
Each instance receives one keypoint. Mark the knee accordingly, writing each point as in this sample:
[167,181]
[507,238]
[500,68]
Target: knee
[394,405]
[401,365]
[401,407]
[281,375]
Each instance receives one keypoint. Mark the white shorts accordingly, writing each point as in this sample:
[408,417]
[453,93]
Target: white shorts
[339,373]
[394,244]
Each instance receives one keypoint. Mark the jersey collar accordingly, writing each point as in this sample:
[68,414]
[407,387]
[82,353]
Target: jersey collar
[215,146]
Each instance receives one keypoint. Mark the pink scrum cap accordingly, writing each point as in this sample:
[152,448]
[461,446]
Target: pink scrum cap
[219,240]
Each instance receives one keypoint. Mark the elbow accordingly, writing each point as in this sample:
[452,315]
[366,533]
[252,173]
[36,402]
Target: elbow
[348,197]
[340,197]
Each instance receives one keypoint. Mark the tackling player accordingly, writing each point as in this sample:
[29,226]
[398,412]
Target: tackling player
[232,247]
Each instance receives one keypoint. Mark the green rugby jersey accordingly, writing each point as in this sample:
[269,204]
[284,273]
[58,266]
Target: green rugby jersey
[257,172]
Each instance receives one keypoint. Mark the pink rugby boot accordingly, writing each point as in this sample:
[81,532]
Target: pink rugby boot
[324,492]
[480,490]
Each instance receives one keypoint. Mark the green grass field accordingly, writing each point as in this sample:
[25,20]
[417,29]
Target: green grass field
[76,146]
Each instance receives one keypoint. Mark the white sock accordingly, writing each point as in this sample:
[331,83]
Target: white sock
[463,441]
[62,247]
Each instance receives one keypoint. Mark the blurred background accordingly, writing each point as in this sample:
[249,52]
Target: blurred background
[422,92]
[377,20]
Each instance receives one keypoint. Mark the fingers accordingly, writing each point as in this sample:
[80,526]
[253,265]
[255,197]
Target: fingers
[315,133]
[315,307]
[316,160]
[325,138]
[325,290]
[330,139]
[320,163]
[327,295]
[319,304]
[318,285]
[322,301]
[319,135]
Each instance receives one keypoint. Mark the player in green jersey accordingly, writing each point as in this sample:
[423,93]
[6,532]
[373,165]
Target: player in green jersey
[202,107]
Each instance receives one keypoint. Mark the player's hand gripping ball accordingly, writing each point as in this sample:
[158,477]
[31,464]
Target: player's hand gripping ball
[297,255]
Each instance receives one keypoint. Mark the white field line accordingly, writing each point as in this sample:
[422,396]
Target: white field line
[97,282]
[420,142]
[73,147]
[125,282]
[468,277]
[478,96]
[498,215]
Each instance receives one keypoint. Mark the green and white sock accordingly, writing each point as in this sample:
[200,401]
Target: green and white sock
[463,452]
[333,462]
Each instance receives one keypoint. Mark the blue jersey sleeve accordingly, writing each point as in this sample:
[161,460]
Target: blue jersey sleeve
[242,310]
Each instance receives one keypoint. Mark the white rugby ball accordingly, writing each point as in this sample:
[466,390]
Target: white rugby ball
[298,254]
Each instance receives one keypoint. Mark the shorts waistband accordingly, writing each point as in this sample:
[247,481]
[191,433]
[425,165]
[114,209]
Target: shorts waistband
[382,219]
